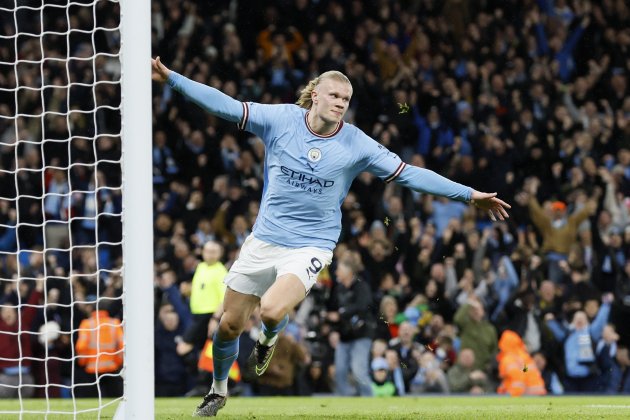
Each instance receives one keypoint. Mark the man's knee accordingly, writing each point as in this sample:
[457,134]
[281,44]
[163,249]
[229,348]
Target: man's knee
[230,328]
[271,312]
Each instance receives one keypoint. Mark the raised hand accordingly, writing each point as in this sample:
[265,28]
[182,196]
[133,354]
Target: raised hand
[159,72]
[489,202]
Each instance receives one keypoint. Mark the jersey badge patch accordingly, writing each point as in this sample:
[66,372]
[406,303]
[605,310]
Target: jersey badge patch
[314,155]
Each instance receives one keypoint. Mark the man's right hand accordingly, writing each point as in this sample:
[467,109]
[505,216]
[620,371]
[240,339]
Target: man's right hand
[159,72]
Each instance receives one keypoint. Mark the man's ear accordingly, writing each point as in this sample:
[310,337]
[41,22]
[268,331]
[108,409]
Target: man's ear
[314,96]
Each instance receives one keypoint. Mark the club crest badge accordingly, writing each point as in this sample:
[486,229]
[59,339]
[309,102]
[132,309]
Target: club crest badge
[314,155]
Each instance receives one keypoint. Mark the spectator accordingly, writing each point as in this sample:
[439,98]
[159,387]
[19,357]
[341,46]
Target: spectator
[171,377]
[16,355]
[350,308]
[524,320]
[477,334]
[206,296]
[620,378]
[429,377]
[100,351]
[517,370]
[464,378]
[553,385]
[382,384]
[606,352]
[409,351]
[386,326]
[580,360]
[558,230]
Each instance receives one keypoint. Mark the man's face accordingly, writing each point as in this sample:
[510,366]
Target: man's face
[331,98]
[211,252]
[8,315]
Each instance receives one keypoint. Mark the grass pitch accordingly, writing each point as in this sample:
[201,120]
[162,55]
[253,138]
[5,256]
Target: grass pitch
[491,407]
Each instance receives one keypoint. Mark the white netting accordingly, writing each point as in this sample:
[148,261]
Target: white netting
[60,207]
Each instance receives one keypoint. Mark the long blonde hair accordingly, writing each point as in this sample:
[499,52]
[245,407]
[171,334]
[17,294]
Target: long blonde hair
[305,99]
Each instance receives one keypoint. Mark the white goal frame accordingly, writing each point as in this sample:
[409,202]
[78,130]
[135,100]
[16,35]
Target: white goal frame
[138,400]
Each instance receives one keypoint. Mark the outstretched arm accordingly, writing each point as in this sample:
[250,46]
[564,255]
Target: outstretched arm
[208,98]
[427,181]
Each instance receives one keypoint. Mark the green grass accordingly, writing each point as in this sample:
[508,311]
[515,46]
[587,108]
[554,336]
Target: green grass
[361,408]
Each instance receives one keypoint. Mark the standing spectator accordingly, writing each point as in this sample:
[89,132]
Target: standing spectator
[606,352]
[56,208]
[350,308]
[477,333]
[408,349]
[580,361]
[524,319]
[15,355]
[504,285]
[99,349]
[620,379]
[171,377]
[559,230]
[206,296]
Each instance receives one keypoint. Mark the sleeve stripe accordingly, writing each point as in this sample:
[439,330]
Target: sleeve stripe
[243,122]
[396,172]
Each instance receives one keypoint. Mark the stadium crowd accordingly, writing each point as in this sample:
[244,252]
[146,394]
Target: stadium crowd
[526,98]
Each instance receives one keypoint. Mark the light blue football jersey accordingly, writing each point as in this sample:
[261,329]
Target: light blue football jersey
[307,176]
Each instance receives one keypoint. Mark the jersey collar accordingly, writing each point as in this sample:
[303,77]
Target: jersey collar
[319,135]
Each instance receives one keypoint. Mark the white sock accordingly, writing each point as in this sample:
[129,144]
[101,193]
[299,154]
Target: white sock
[266,341]
[219,387]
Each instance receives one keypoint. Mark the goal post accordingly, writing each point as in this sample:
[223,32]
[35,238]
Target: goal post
[138,402]
[76,209]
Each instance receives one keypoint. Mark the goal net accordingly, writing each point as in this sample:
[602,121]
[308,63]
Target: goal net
[74,209]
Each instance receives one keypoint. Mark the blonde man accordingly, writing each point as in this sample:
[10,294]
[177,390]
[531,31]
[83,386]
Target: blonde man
[311,158]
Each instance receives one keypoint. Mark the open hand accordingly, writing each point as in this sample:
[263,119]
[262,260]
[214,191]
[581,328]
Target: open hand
[159,72]
[489,202]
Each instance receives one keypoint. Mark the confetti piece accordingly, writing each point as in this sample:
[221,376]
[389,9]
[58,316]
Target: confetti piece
[386,221]
[404,108]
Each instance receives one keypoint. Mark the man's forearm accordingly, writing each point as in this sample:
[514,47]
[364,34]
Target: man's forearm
[427,181]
